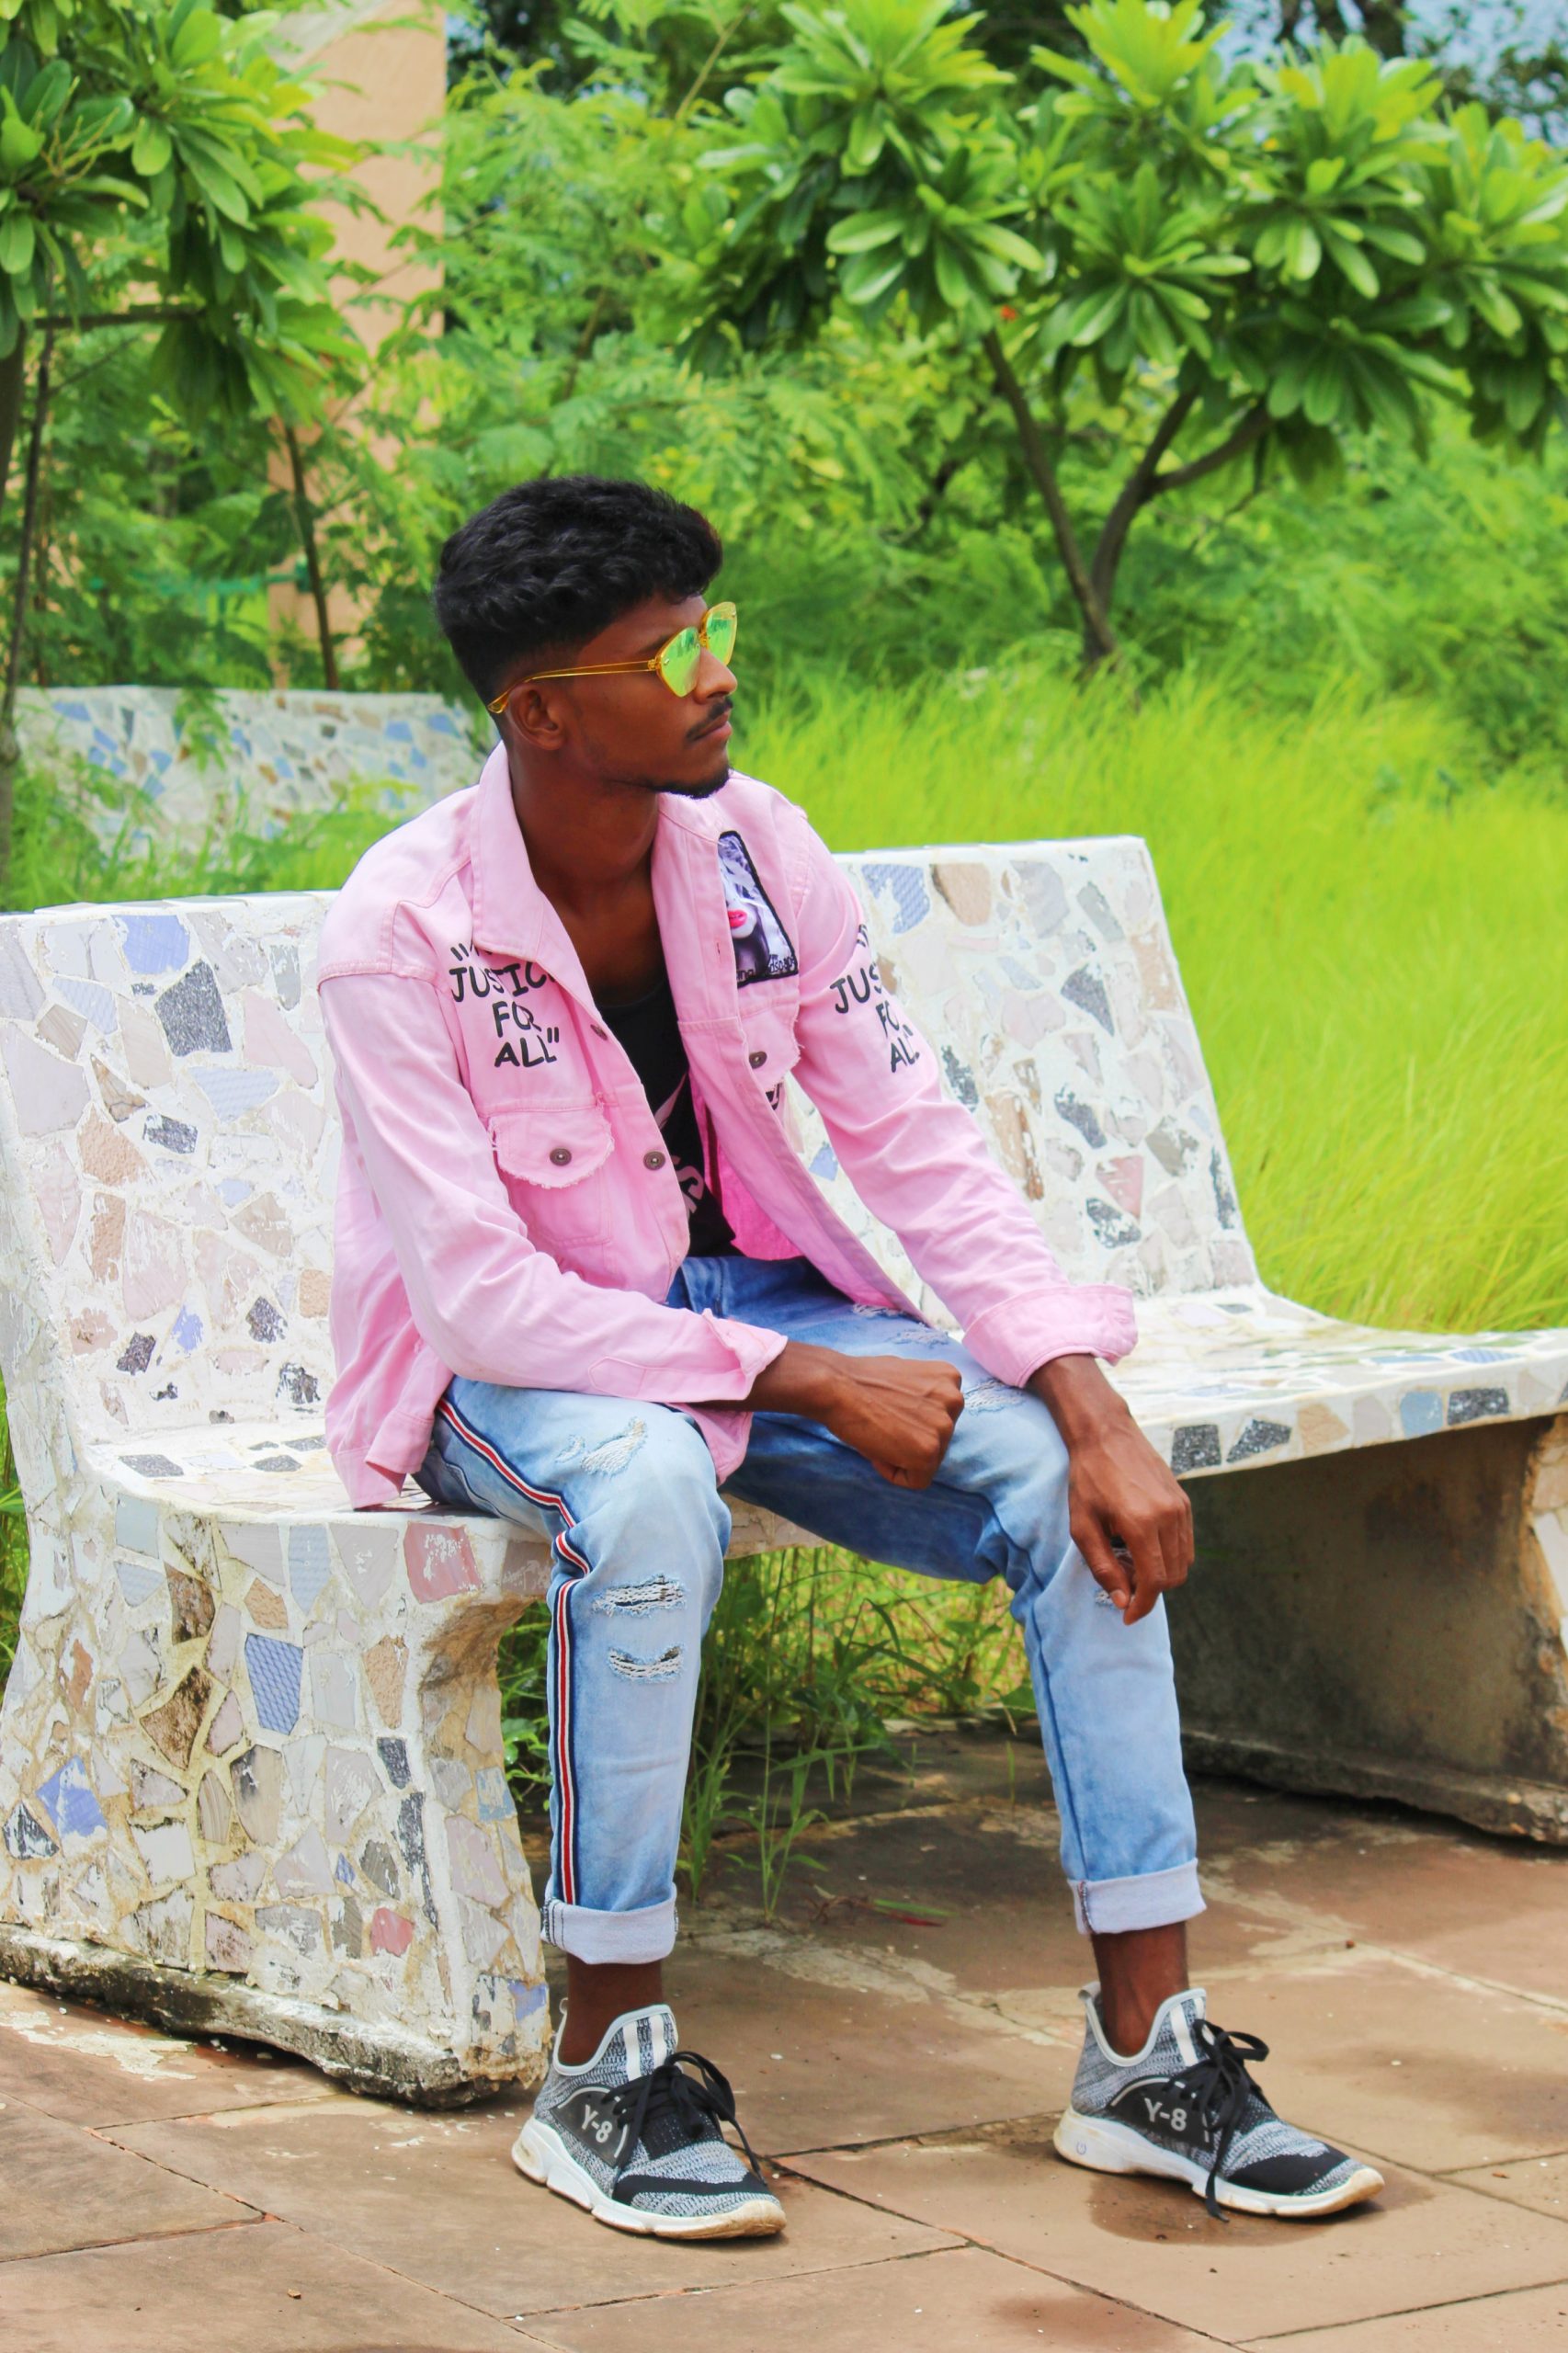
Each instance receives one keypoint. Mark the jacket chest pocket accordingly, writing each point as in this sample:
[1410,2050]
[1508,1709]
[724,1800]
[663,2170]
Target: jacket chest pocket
[767,1032]
[554,1160]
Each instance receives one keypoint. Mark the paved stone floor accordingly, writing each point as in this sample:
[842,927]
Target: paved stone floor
[901,2038]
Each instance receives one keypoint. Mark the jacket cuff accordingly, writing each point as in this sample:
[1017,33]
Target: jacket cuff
[720,1372]
[1077,1320]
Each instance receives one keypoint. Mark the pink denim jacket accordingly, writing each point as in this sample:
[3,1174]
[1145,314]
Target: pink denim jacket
[506,1209]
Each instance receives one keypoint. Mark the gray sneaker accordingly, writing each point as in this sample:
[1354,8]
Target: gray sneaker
[639,2142]
[1187,2109]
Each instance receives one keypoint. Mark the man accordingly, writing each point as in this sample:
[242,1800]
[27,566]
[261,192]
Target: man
[584,1281]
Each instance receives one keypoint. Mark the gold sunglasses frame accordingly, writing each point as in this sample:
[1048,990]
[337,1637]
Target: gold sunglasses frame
[625,669]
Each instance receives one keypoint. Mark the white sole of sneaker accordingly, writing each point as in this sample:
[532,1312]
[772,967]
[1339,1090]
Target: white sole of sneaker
[1105,2147]
[540,2154]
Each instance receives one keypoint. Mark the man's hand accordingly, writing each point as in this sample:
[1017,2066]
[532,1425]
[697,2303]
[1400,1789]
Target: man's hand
[900,1416]
[1129,1516]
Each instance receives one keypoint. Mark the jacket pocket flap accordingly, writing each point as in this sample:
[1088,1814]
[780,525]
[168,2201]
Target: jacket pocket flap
[552,1146]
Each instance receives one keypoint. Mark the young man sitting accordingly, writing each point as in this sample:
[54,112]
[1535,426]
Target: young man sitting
[585,1281]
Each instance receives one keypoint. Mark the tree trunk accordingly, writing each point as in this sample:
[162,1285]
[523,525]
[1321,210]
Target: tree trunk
[1134,493]
[13,383]
[10,751]
[1097,630]
[305,517]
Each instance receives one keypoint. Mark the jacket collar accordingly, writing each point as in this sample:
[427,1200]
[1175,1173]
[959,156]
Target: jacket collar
[512,916]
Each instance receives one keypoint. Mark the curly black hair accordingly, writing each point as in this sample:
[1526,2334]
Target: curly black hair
[548,564]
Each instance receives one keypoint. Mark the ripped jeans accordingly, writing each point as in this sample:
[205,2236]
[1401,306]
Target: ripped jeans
[626,1494]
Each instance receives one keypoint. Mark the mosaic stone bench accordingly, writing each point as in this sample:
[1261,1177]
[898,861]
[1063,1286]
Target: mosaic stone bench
[251,1770]
[268,758]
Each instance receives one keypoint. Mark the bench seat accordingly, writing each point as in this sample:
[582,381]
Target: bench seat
[1227,1378]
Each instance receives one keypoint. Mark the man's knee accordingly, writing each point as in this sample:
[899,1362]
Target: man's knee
[656,1482]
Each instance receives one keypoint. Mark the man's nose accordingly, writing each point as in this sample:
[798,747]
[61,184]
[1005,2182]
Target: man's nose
[713,677]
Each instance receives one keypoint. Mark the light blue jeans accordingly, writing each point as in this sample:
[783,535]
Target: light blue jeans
[626,1493]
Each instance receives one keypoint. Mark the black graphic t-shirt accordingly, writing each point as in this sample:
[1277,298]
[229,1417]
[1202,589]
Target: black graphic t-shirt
[651,1035]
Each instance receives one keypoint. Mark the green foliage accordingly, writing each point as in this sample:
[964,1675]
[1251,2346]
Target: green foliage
[178,127]
[1244,257]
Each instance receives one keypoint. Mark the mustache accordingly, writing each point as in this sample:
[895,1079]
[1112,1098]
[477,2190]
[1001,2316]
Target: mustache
[720,712]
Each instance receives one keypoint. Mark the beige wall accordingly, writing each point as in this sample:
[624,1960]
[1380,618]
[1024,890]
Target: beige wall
[381,72]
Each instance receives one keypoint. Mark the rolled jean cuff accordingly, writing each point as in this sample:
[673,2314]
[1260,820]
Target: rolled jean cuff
[647,1935]
[1109,1907]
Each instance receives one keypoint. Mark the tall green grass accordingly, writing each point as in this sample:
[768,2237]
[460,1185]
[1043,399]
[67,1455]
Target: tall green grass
[1371,923]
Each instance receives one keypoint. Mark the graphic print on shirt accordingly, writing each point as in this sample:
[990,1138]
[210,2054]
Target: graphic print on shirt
[470,978]
[523,1041]
[862,984]
[760,941]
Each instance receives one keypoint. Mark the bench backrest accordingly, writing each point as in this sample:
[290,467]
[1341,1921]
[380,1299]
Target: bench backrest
[169,1145]
[195,759]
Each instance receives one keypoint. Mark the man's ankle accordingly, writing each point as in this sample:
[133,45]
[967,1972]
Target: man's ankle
[1139,1970]
[598,1993]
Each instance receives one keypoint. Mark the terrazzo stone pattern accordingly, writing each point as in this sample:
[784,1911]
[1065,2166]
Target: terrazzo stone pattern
[250,1751]
[247,1731]
[267,757]
[1046,974]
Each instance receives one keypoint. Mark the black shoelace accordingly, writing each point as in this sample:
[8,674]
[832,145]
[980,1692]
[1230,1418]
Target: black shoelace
[698,2106]
[1222,2091]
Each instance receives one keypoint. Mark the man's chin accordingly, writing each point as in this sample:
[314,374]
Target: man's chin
[705,787]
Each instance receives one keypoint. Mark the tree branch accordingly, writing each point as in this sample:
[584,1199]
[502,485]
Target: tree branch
[140,315]
[1252,427]
[1097,629]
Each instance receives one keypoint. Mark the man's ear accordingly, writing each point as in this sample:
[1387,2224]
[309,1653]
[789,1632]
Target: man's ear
[537,719]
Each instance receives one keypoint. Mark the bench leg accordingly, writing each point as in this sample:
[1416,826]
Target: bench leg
[252,1784]
[1390,1623]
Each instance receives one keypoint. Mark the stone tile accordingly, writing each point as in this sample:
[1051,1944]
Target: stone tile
[966,2299]
[973,1892]
[1536,2321]
[1540,2183]
[1405,2063]
[439,2198]
[1150,2242]
[88,2068]
[263,2288]
[1480,1906]
[64,2188]
[833,2042]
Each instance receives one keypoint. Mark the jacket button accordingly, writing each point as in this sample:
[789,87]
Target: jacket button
[561,1155]
[757,1056]
[653,1160]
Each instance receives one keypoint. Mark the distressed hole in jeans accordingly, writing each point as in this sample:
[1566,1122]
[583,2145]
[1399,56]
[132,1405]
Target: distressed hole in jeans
[634,1600]
[989,1396]
[611,1455]
[663,1670]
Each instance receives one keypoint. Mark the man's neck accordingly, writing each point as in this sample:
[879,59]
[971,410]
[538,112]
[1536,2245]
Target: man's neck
[588,842]
[590,849]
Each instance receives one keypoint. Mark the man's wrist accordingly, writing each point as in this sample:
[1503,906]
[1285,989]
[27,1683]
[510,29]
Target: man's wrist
[1079,1398]
[803,1379]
